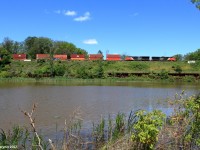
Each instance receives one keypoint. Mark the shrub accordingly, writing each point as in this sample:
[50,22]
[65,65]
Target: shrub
[178,69]
[5,74]
[59,70]
[146,128]
[196,65]
[139,66]
[163,74]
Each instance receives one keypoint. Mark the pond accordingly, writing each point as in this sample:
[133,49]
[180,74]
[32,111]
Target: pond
[57,101]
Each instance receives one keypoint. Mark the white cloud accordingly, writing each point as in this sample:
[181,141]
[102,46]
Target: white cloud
[69,13]
[85,17]
[90,41]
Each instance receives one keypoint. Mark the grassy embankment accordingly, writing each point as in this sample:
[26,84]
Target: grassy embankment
[100,70]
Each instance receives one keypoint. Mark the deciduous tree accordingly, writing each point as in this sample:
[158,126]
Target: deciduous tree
[197,3]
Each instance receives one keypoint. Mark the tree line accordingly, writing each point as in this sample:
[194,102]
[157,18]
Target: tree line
[197,3]
[39,45]
[189,56]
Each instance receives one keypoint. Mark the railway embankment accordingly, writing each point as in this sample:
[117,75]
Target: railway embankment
[135,70]
[140,74]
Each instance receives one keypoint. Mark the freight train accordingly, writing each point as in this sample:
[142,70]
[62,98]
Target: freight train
[109,57]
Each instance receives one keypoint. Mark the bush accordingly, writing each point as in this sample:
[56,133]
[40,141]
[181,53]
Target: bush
[5,74]
[196,65]
[59,70]
[139,66]
[163,74]
[189,79]
[177,69]
[146,128]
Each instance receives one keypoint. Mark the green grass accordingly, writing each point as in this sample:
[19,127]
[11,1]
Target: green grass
[65,70]
[109,66]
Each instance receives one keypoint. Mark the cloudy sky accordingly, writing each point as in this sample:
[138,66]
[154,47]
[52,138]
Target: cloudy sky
[131,27]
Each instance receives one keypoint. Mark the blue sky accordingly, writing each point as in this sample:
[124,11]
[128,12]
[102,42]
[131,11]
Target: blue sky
[131,27]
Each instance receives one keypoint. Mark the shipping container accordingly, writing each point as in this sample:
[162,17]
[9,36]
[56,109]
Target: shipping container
[42,56]
[77,57]
[60,57]
[95,57]
[19,56]
[113,57]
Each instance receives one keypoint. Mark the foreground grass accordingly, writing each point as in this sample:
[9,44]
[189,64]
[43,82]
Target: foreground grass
[139,130]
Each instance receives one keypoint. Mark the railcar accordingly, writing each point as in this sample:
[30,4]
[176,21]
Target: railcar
[95,57]
[113,57]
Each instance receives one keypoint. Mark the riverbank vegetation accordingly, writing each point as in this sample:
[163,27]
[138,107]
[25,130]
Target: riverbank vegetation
[149,71]
[139,130]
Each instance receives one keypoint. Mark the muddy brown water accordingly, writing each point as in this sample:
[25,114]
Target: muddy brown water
[57,101]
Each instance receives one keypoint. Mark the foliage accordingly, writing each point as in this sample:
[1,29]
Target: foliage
[82,73]
[59,69]
[146,128]
[197,3]
[163,74]
[177,69]
[189,79]
[62,47]
[109,129]
[196,65]
[4,74]
[119,128]
[20,137]
[5,58]
[182,128]
[179,57]
[100,71]
[97,69]
[100,52]
[191,111]
[98,132]
[193,55]
[138,66]
[8,44]
[38,45]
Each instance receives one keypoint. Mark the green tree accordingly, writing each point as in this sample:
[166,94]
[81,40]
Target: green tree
[100,70]
[100,52]
[35,45]
[18,47]
[62,47]
[8,44]
[178,57]
[29,43]
[5,57]
[197,3]
[193,55]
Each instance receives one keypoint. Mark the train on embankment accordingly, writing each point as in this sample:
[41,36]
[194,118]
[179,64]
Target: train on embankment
[109,57]
[82,57]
